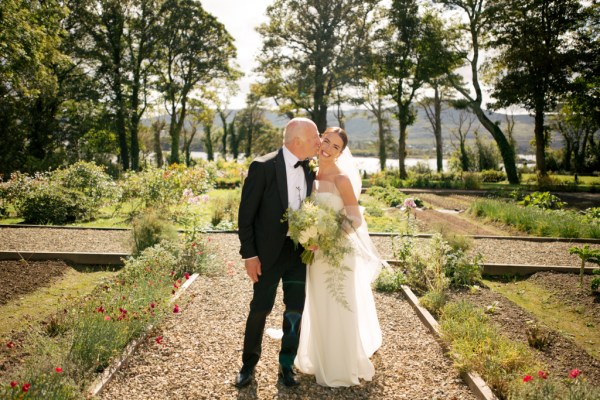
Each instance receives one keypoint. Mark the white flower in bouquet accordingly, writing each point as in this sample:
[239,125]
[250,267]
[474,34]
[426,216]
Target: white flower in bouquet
[318,229]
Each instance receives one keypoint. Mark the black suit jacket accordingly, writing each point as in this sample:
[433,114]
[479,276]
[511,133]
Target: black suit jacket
[264,202]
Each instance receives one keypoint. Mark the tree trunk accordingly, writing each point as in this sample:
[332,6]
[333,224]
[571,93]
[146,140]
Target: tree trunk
[174,133]
[382,143]
[157,127]
[223,117]
[540,143]
[402,150]
[506,150]
[439,144]
[120,123]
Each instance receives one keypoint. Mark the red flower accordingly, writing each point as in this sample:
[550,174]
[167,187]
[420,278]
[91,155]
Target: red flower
[543,375]
[172,273]
[26,387]
[527,378]
[123,297]
[175,286]
[10,344]
[100,309]
[176,309]
[179,281]
[173,291]
[574,373]
[194,244]
[152,305]
[123,311]
[58,369]
[14,384]
[187,276]
[159,339]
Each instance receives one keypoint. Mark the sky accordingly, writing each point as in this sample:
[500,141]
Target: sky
[240,18]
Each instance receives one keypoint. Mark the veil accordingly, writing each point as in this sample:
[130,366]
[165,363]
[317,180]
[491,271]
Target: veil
[360,236]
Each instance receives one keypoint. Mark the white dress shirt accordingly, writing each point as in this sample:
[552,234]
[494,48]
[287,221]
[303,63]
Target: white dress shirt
[296,181]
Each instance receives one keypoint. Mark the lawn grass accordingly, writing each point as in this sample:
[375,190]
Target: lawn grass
[550,311]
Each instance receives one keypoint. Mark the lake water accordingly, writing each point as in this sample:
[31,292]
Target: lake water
[371,164]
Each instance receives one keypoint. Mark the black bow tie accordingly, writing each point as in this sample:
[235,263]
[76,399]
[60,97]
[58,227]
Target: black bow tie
[304,163]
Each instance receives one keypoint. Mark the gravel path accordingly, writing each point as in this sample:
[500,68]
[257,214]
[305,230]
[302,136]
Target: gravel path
[201,351]
[118,241]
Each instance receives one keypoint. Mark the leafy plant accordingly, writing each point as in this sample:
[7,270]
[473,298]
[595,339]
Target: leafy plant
[150,229]
[537,337]
[543,200]
[586,255]
[390,280]
[596,280]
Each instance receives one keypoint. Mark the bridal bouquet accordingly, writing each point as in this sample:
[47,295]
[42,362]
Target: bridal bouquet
[316,226]
[319,228]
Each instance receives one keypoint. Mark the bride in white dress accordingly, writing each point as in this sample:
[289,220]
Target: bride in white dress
[336,339]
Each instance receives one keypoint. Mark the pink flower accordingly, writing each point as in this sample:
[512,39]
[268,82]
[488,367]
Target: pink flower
[527,378]
[187,276]
[10,344]
[543,374]
[158,340]
[574,373]
[410,203]
[107,318]
[26,387]
[176,309]
[14,384]
[58,369]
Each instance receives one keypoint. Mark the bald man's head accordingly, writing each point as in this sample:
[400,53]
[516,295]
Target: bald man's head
[301,137]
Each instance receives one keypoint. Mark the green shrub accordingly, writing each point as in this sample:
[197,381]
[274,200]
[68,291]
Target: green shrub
[596,280]
[89,179]
[50,204]
[391,196]
[49,385]
[150,229]
[543,200]
[471,181]
[434,301]
[390,280]
[491,175]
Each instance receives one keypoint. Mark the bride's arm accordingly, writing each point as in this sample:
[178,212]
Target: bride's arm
[344,187]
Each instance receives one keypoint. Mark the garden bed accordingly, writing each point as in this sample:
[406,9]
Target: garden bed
[562,354]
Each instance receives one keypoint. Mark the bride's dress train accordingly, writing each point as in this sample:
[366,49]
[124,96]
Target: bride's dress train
[336,342]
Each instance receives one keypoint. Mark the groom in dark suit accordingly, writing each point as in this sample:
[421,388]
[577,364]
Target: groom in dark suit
[275,182]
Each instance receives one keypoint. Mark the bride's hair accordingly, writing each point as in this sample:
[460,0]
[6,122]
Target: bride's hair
[340,132]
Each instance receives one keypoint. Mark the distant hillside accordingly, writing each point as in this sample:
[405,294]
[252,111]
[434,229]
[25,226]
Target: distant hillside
[362,130]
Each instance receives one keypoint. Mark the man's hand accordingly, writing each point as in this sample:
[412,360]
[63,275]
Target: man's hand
[253,268]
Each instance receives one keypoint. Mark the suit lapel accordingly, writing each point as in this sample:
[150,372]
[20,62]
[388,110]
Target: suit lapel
[310,178]
[280,172]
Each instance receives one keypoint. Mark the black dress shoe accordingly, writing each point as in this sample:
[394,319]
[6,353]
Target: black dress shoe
[244,377]
[286,374]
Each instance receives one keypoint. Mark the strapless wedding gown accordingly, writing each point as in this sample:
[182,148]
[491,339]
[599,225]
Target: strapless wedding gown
[337,341]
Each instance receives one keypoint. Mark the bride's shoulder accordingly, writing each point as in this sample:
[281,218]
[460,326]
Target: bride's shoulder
[342,182]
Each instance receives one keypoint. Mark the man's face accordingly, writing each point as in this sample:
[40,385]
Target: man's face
[310,141]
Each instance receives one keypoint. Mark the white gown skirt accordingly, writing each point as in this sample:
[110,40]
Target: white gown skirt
[336,342]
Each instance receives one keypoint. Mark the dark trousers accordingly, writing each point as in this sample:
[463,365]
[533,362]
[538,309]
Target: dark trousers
[290,270]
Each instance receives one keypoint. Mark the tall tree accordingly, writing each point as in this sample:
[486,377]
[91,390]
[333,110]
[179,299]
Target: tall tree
[141,40]
[535,58]
[30,64]
[478,21]
[415,54]
[197,49]
[312,48]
